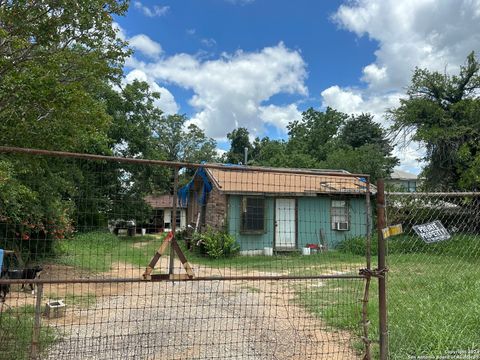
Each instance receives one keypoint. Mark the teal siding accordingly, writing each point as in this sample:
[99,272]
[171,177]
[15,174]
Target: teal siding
[313,214]
[250,241]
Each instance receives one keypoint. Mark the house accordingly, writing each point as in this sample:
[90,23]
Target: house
[162,215]
[277,208]
[404,180]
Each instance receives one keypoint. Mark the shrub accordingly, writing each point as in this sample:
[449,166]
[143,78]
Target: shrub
[461,245]
[355,245]
[216,244]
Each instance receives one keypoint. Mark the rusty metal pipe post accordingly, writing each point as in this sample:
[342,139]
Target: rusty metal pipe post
[382,280]
[174,219]
[171,164]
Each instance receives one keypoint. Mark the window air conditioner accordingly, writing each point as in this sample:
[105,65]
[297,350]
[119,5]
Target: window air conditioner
[343,226]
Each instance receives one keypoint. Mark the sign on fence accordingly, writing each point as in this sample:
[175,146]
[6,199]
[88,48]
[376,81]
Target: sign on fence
[392,231]
[432,232]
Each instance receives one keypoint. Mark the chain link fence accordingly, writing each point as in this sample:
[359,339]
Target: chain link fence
[108,258]
[434,276]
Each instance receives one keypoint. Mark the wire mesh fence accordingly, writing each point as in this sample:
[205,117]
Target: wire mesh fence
[107,258]
[434,275]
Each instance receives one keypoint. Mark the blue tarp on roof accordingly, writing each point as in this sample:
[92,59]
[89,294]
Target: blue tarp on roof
[206,188]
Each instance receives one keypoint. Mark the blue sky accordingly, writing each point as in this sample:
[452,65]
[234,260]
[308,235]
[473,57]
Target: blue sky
[260,63]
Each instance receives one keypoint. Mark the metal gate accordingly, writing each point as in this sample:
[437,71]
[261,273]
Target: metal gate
[108,258]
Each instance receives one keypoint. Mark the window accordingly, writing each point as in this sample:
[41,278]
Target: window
[253,215]
[412,186]
[339,215]
[178,219]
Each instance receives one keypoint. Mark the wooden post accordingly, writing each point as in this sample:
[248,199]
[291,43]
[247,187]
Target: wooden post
[382,288]
[35,348]
[173,219]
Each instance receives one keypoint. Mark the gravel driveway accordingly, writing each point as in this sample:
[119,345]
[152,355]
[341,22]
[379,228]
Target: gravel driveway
[197,320]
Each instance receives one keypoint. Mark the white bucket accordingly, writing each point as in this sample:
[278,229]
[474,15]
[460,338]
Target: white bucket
[305,251]
[268,251]
[144,231]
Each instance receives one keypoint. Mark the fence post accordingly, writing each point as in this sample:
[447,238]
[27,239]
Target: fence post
[382,290]
[173,219]
[365,320]
[34,350]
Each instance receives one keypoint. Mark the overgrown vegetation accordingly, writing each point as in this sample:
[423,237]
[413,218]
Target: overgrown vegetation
[216,244]
[442,113]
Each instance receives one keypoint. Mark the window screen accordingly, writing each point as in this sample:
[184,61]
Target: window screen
[253,214]
[339,212]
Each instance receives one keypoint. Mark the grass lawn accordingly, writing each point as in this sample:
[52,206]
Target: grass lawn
[290,263]
[434,305]
[96,251]
[16,326]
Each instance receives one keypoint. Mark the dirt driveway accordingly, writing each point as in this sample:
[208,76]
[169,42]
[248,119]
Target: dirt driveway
[192,320]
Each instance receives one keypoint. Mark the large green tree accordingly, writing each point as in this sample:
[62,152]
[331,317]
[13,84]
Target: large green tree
[442,112]
[181,142]
[314,133]
[55,56]
[329,140]
[239,140]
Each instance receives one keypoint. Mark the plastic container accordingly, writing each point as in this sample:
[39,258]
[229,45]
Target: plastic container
[144,231]
[305,251]
[268,251]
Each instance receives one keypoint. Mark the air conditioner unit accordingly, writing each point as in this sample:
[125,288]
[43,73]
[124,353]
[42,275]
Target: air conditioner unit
[343,226]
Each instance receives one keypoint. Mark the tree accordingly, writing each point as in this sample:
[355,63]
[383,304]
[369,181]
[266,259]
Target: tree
[366,159]
[314,135]
[360,130]
[134,116]
[275,153]
[239,140]
[179,142]
[443,112]
[55,57]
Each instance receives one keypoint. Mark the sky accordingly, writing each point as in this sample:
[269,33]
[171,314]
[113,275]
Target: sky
[259,63]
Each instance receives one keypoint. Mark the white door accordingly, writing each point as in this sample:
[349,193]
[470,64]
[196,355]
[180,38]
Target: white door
[285,223]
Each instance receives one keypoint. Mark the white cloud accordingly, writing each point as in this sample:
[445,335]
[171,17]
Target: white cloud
[426,33]
[145,45]
[119,30]
[220,152]
[353,101]
[230,91]
[154,11]
[280,116]
[166,102]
